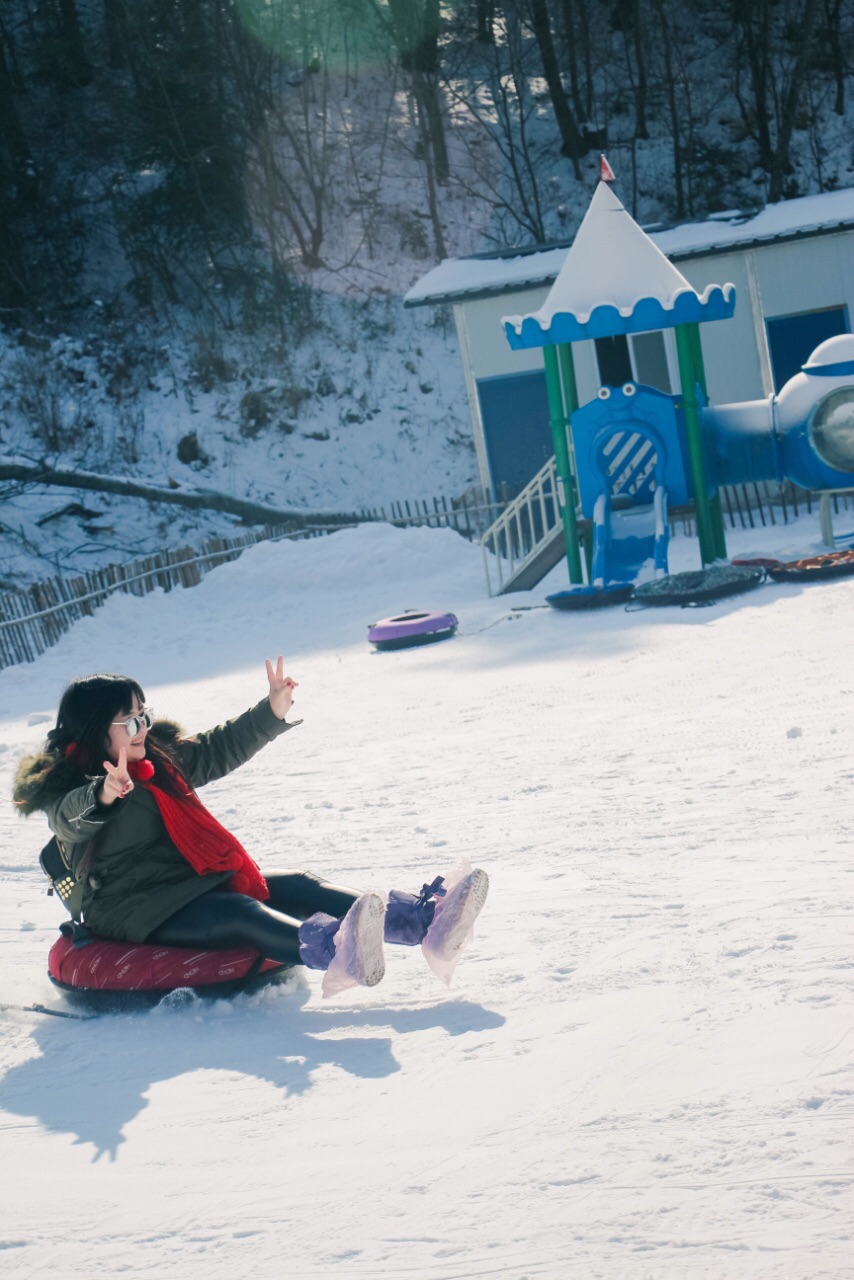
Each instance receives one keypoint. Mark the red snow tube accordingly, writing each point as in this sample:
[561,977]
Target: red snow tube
[834,564]
[123,975]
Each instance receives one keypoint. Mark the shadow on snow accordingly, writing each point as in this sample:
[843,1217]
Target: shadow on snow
[92,1079]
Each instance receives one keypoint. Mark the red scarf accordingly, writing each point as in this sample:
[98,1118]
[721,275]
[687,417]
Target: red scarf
[198,837]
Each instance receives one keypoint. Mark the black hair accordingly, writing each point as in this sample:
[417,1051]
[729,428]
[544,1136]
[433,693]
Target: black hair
[87,709]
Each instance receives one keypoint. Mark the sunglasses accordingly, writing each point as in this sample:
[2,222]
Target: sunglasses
[133,724]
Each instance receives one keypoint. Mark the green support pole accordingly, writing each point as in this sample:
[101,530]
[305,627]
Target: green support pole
[566,488]
[718,532]
[691,409]
[570,385]
[571,402]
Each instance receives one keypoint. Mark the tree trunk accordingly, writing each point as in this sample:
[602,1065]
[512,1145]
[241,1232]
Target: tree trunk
[485,21]
[834,35]
[641,130]
[13,139]
[430,165]
[427,97]
[74,57]
[572,143]
[790,97]
[752,17]
[673,109]
[570,44]
[419,25]
[114,30]
[199,499]
[775,97]
[587,46]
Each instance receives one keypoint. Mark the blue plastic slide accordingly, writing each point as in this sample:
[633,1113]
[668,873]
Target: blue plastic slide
[629,539]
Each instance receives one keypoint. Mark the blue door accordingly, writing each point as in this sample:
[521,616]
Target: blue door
[514,409]
[793,339]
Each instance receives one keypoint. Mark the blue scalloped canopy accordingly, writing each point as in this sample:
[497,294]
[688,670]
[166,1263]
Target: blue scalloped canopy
[604,321]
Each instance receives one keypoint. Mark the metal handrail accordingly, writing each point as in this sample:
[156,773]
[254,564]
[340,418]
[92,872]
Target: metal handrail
[514,530]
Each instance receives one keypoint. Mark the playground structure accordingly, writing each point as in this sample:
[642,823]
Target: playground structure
[622,458]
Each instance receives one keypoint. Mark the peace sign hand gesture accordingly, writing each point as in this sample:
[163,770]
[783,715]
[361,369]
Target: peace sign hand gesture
[281,688]
[117,784]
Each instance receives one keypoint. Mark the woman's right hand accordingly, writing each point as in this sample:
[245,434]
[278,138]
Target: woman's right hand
[117,784]
[281,695]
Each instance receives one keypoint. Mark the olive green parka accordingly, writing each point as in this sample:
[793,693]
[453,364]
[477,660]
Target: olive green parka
[135,877]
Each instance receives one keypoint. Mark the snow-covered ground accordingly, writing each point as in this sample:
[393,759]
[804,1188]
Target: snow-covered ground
[644,1066]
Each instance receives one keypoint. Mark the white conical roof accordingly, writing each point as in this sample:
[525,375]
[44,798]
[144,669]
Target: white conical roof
[614,265]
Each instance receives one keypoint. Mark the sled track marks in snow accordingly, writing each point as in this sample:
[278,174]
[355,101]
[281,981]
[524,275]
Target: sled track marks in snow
[644,1070]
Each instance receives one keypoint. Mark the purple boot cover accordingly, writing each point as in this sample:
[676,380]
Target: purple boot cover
[316,945]
[408,916]
[453,924]
[358,959]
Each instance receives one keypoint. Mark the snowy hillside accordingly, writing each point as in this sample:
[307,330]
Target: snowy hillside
[368,410]
[212,213]
[643,1068]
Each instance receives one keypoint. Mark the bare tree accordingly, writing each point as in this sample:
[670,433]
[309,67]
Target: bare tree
[572,142]
[671,81]
[415,27]
[775,43]
[320,115]
[14,146]
[115,33]
[578,52]
[834,37]
[629,21]
[492,92]
[70,44]
[485,21]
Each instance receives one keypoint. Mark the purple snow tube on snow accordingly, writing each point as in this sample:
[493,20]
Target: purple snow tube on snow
[412,627]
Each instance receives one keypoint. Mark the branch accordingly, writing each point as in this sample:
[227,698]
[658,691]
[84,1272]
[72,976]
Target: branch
[201,499]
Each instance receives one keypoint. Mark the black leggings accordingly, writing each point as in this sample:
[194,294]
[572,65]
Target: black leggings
[221,920]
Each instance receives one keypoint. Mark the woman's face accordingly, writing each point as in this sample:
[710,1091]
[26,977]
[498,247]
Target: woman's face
[119,737]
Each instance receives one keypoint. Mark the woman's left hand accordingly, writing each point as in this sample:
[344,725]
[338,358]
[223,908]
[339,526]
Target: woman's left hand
[281,688]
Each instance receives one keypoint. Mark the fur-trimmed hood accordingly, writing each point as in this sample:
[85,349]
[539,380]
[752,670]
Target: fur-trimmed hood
[44,778]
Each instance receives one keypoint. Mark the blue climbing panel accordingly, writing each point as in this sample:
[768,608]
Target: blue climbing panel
[630,455]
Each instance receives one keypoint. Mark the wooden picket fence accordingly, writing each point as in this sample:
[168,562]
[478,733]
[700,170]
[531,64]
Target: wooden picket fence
[745,506]
[760,505]
[470,515]
[34,619]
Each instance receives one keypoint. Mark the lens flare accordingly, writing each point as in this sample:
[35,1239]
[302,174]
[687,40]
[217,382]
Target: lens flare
[342,35]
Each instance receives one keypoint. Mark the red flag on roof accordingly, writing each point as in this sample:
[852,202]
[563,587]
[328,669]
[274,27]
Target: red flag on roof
[606,173]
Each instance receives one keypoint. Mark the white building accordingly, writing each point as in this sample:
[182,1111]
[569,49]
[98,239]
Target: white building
[793,268]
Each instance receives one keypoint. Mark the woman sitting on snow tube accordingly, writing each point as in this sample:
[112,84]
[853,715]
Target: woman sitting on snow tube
[159,868]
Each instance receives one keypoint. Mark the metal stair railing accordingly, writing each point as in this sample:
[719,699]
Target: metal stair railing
[523,529]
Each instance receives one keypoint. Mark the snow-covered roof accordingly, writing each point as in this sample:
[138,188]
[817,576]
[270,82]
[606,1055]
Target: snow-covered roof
[509,271]
[614,279]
